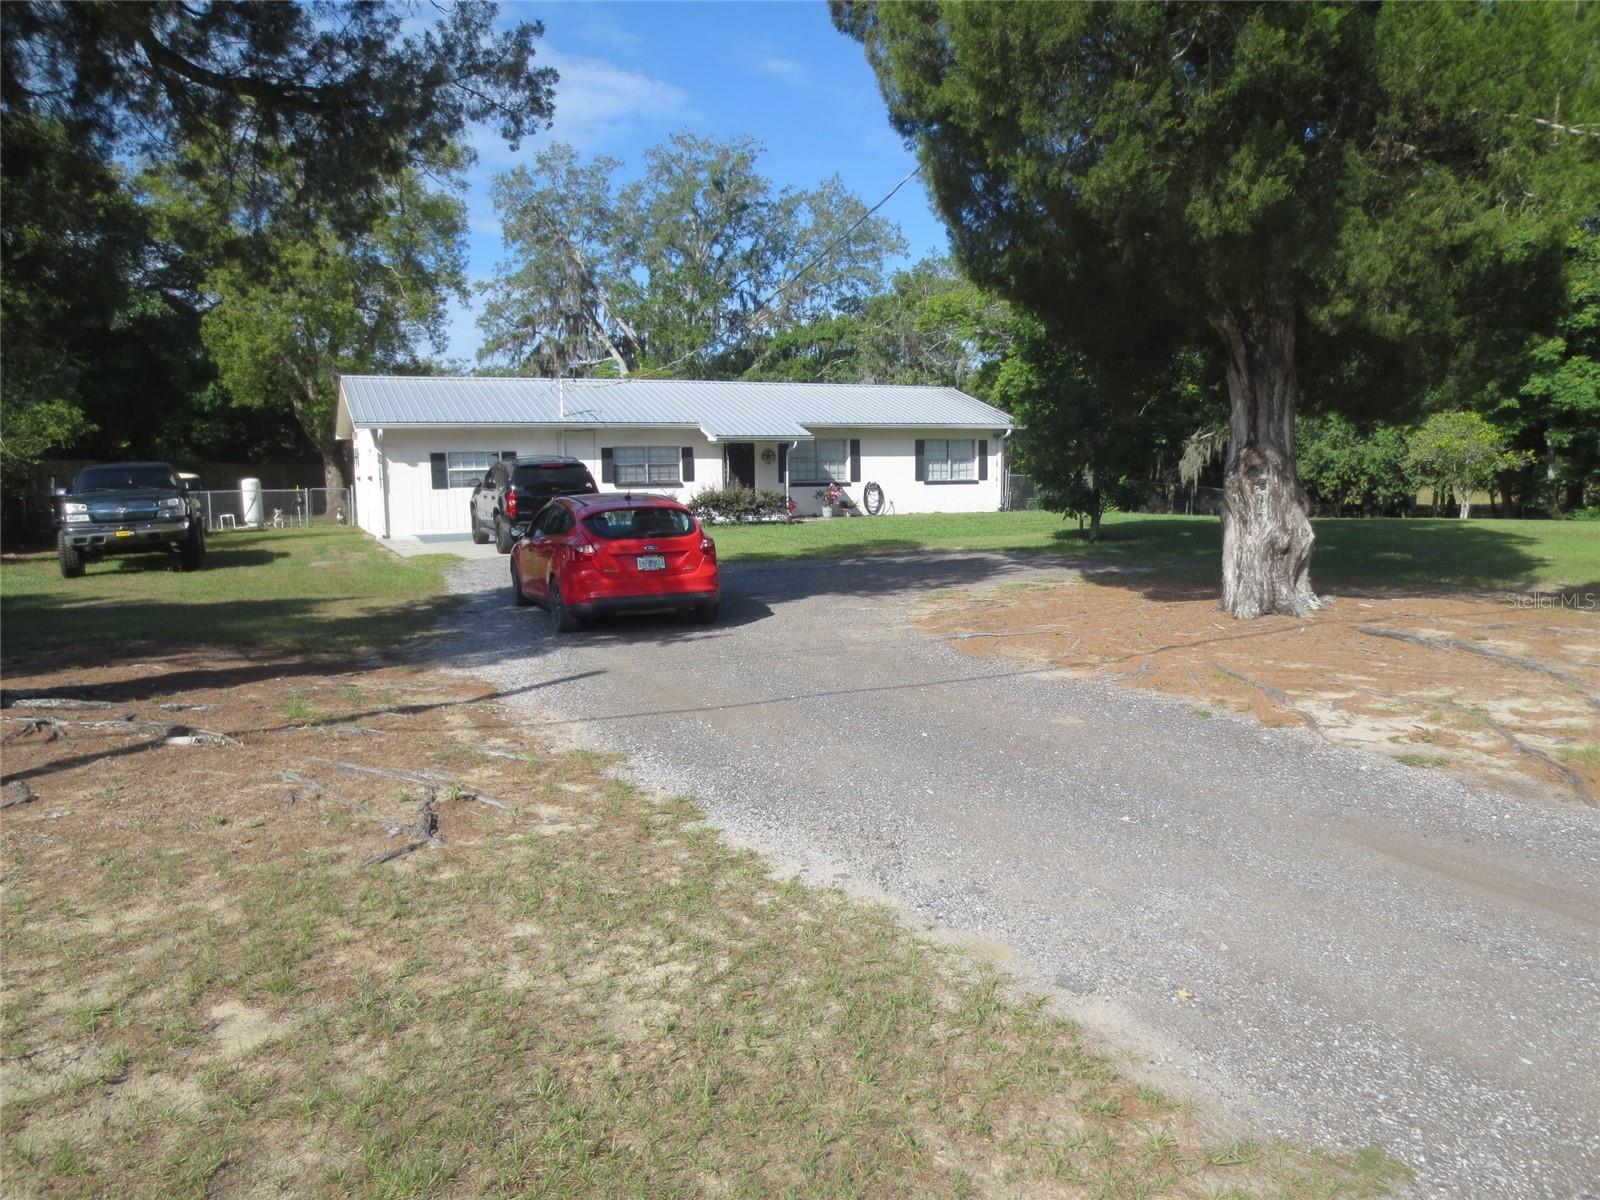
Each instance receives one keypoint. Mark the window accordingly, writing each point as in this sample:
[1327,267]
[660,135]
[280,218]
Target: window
[826,460]
[949,459]
[465,468]
[646,464]
[640,523]
[554,519]
[137,475]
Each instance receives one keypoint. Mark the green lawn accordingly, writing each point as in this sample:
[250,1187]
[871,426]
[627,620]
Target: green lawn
[302,591]
[1432,554]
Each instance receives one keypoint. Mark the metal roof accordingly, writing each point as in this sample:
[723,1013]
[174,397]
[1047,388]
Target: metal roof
[722,410]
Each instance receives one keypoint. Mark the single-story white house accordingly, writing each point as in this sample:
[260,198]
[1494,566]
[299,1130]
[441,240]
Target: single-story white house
[420,443]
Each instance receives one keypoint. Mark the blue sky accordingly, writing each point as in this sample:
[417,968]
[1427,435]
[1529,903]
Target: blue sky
[633,73]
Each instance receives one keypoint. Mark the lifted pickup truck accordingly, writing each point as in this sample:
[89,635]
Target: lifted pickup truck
[120,508]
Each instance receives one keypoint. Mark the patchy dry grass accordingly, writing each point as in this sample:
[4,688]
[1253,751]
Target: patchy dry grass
[585,993]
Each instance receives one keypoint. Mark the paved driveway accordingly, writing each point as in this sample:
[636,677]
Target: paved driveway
[1358,951]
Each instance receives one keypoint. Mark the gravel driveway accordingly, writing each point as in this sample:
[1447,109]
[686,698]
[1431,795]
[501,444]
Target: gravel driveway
[1354,951]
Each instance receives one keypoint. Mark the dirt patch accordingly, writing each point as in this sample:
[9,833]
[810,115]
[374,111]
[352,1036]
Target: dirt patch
[1499,695]
[214,951]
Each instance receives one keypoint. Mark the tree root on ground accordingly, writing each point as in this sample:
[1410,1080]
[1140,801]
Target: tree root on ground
[1510,660]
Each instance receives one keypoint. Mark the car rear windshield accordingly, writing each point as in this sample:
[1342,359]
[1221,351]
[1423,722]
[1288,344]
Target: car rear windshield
[556,480]
[639,523]
[100,479]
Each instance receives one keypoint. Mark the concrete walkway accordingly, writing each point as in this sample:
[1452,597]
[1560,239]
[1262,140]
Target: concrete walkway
[459,544]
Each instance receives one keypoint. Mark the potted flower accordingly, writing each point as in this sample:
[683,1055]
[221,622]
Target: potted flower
[834,500]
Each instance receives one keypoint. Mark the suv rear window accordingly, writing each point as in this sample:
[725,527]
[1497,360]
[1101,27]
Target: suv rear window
[639,523]
[558,480]
[99,479]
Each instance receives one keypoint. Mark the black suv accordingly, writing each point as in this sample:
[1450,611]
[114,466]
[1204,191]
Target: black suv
[511,494]
[116,508]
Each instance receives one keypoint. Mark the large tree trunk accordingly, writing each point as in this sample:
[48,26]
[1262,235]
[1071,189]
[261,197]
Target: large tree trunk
[1266,530]
[334,474]
[316,419]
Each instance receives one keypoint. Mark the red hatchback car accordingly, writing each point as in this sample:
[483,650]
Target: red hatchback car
[586,555]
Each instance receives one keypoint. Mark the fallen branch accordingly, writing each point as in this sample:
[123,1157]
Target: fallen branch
[350,729]
[360,809]
[1510,660]
[420,778]
[24,794]
[425,834]
[389,855]
[12,700]
[427,818]
[30,725]
[198,737]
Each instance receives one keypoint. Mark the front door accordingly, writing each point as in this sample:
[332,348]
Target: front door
[739,464]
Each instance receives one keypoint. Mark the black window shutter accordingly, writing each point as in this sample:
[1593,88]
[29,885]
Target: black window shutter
[983,460]
[922,462]
[855,460]
[441,472]
[608,467]
[688,464]
[783,464]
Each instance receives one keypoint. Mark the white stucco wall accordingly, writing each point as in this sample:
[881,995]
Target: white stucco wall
[416,507]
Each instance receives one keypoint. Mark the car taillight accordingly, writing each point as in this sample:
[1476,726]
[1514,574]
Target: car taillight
[707,546]
[511,501]
[584,548]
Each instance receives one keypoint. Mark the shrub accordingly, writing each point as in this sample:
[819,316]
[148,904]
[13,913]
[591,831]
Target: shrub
[731,505]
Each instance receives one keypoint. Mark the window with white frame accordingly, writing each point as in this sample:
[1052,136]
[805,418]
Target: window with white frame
[826,460]
[468,467]
[647,464]
[947,459]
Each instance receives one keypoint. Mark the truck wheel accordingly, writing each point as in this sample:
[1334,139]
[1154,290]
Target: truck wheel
[70,556]
[502,536]
[479,537]
[192,551]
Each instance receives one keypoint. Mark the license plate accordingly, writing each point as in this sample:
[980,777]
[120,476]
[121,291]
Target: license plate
[651,562]
[124,533]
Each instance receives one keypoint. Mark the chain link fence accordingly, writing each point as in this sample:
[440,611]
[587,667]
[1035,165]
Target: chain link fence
[1020,495]
[275,508]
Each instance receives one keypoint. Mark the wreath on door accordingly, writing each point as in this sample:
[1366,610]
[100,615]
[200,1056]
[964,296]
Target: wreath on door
[769,456]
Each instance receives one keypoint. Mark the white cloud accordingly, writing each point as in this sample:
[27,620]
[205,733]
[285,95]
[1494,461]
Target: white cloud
[609,33]
[785,70]
[596,103]
[596,100]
